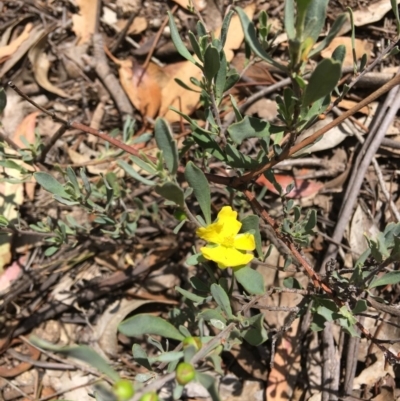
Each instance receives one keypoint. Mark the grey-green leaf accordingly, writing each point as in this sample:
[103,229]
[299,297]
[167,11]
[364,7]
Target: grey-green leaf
[252,40]
[50,184]
[167,144]
[222,299]
[172,192]
[251,280]
[177,41]
[133,173]
[390,278]
[322,81]
[289,19]
[198,181]
[249,127]
[141,324]
[81,352]
[211,62]
[208,382]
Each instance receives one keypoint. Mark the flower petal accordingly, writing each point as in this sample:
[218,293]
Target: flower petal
[228,218]
[211,233]
[226,257]
[245,242]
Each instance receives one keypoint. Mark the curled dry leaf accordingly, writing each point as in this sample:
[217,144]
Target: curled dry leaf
[7,51]
[361,47]
[184,100]
[41,66]
[84,23]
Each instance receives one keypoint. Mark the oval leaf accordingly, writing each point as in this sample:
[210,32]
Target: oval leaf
[133,173]
[211,62]
[198,181]
[322,81]
[172,192]
[251,280]
[50,184]
[147,324]
[222,299]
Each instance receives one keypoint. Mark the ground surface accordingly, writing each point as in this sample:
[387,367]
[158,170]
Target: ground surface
[47,49]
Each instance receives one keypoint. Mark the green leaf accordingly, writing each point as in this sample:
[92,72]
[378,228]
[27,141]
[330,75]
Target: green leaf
[211,62]
[289,19]
[167,144]
[195,45]
[141,324]
[140,356]
[222,299]
[3,99]
[387,279]
[81,352]
[255,334]
[249,127]
[180,46]
[249,223]
[220,79]
[251,280]
[235,158]
[395,10]
[339,54]
[198,181]
[322,81]
[133,173]
[212,314]
[172,192]
[208,144]
[208,382]
[11,164]
[225,28]
[315,19]
[336,26]
[143,165]
[190,295]
[252,40]
[50,184]
[361,306]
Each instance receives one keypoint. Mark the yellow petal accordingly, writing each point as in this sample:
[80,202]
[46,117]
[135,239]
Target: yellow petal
[226,257]
[228,218]
[211,233]
[245,242]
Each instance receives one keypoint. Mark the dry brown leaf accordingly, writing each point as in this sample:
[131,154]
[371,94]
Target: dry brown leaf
[372,13]
[34,35]
[361,47]
[143,91]
[184,100]
[84,23]
[41,66]
[139,24]
[199,4]
[7,51]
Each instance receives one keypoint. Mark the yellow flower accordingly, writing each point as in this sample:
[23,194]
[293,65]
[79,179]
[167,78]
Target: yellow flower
[231,247]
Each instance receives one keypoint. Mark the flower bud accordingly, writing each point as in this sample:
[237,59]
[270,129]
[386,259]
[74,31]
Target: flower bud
[192,341]
[149,397]
[185,373]
[123,389]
